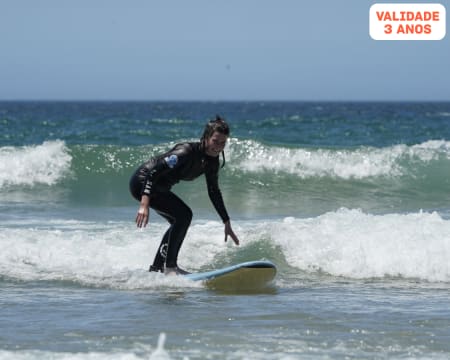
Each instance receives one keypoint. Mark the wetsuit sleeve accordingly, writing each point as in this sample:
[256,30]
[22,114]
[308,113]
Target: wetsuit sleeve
[164,164]
[212,183]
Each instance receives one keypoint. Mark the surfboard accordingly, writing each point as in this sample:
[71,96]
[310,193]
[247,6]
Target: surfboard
[246,276]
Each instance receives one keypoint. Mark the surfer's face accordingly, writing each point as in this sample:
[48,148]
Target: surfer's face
[215,144]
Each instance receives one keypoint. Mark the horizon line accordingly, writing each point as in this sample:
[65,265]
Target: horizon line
[231,100]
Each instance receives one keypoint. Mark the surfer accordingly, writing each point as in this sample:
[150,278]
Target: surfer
[152,182]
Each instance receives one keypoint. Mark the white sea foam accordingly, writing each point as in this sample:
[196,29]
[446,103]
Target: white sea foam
[107,255]
[346,243]
[38,164]
[355,163]
[300,350]
[48,355]
[353,244]
[143,350]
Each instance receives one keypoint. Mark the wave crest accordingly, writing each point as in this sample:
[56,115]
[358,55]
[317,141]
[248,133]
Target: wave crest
[354,244]
[31,165]
[358,163]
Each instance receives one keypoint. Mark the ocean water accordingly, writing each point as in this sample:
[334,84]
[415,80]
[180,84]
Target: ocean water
[350,200]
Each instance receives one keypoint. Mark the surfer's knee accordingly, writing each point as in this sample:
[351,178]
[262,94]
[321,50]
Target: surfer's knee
[185,217]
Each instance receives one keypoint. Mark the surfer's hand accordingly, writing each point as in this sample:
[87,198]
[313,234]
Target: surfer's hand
[143,212]
[229,231]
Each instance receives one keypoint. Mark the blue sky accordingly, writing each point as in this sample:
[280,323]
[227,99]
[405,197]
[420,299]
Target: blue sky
[211,50]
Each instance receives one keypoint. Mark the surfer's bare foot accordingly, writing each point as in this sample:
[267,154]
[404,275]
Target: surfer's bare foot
[175,271]
[170,271]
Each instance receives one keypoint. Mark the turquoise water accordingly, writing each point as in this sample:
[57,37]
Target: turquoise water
[350,200]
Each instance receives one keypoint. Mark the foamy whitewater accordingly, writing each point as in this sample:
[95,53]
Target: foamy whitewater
[355,214]
[31,165]
[346,243]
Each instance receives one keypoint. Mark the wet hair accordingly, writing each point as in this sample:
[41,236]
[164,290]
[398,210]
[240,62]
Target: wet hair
[218,124]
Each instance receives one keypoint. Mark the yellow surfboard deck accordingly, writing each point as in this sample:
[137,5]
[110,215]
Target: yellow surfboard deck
[247,276]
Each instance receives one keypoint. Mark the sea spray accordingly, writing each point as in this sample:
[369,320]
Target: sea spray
[46,164]
[160,353]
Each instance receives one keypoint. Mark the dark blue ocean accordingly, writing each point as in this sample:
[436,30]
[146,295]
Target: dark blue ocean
[350,200]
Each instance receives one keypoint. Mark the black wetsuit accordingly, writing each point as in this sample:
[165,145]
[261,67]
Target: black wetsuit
[155,178]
